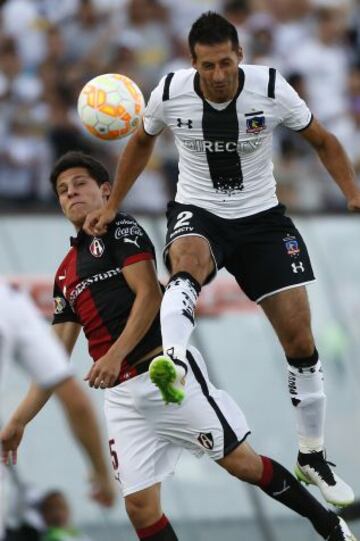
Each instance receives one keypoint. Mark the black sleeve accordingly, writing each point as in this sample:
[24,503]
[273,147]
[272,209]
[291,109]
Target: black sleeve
[128,241]
[62,309]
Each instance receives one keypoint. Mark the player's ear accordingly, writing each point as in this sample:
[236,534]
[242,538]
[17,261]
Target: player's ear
[240,54]
[105,189]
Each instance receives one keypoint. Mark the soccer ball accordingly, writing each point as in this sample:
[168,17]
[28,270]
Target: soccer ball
[110,106]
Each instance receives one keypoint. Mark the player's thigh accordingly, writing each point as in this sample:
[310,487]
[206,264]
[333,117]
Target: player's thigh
[140,458]
[192,243]
[269,256]
[207,422]
[289,313]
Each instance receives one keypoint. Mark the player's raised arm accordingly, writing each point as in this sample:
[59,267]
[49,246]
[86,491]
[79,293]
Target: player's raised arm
[336,161]
[132,162]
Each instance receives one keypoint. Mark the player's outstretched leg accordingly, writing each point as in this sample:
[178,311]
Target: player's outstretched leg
[177,314]
[169,377]
[279,484]
[306,389]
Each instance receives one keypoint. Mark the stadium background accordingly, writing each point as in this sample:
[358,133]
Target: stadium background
[48,50]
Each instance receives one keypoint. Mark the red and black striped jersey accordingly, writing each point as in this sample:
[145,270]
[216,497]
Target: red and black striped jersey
[90,288]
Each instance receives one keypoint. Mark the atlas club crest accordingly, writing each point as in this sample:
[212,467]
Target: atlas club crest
[97,247]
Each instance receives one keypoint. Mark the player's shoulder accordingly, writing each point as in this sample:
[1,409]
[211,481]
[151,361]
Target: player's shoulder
[122,219]
[64,265]
[259,79]
[124,225]
[176,83]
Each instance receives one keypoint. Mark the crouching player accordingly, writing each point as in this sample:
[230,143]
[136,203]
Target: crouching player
[109,287]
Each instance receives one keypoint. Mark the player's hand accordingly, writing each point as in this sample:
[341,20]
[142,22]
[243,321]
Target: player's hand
[96,222]
[10,438]
[105,372]
[102,490]
[354,203]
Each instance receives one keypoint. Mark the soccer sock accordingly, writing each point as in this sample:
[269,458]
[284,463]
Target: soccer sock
[160,531]
[280,485]
[306,388]
[177,313]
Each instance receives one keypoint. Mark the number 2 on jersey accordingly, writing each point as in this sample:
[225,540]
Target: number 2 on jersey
[183,219]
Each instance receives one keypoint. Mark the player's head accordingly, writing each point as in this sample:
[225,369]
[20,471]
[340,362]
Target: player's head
[216,54]
[55,510]
[81,183]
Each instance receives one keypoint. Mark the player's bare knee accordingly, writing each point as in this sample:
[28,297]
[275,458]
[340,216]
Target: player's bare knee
[299,345]
[244,464]
[141,510]
[195,264]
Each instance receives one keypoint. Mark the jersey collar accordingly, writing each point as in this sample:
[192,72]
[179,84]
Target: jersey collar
[239,90]
[75,241]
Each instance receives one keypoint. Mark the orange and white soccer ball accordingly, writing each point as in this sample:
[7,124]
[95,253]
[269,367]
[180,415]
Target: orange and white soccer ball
[110,106]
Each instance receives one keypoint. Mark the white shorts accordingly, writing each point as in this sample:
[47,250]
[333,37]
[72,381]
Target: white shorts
[146,436]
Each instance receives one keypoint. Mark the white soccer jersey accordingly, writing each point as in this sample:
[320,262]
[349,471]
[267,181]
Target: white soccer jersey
[225,163]
[26,338]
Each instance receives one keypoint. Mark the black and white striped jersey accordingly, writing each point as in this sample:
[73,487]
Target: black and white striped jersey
[225,150]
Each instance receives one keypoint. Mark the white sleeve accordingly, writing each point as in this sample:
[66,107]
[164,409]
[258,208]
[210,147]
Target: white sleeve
[153,119]
[294,113]
[37,348]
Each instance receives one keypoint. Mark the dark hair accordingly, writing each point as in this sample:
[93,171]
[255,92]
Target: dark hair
[210,29]
[47,497]
[75,158]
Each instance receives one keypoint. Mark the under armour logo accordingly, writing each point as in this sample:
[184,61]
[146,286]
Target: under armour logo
[298,267]
[206,440]
[180,123]
[126,239]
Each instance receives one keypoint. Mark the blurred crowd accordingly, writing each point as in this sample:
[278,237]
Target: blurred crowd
[49,50]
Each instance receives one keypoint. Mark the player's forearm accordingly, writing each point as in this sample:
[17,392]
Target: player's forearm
[83,423]
[144,310]
[336,161]
[131,163]
[30,406]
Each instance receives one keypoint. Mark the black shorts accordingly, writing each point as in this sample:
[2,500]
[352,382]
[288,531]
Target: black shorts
[264,252]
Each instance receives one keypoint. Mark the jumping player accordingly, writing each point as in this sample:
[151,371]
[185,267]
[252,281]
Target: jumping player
[109,287]
[226,214]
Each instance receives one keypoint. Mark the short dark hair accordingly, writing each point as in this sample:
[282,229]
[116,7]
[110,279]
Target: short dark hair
[210,29]
[75,158]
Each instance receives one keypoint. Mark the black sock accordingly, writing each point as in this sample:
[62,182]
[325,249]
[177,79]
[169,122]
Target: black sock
[160,531]
[279,484]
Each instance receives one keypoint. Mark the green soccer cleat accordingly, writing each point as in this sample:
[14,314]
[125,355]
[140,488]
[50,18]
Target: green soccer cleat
[169,378]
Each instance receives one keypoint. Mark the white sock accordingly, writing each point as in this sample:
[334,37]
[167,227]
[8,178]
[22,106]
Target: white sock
[177,313]
[306,388]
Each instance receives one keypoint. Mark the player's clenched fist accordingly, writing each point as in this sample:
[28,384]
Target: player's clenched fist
[354,203]
[10,438]
[105,372]
[96,222]
[102,490]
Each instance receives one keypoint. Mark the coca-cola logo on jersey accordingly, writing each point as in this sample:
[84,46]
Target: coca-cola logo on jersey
[129,231]
[97,247]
